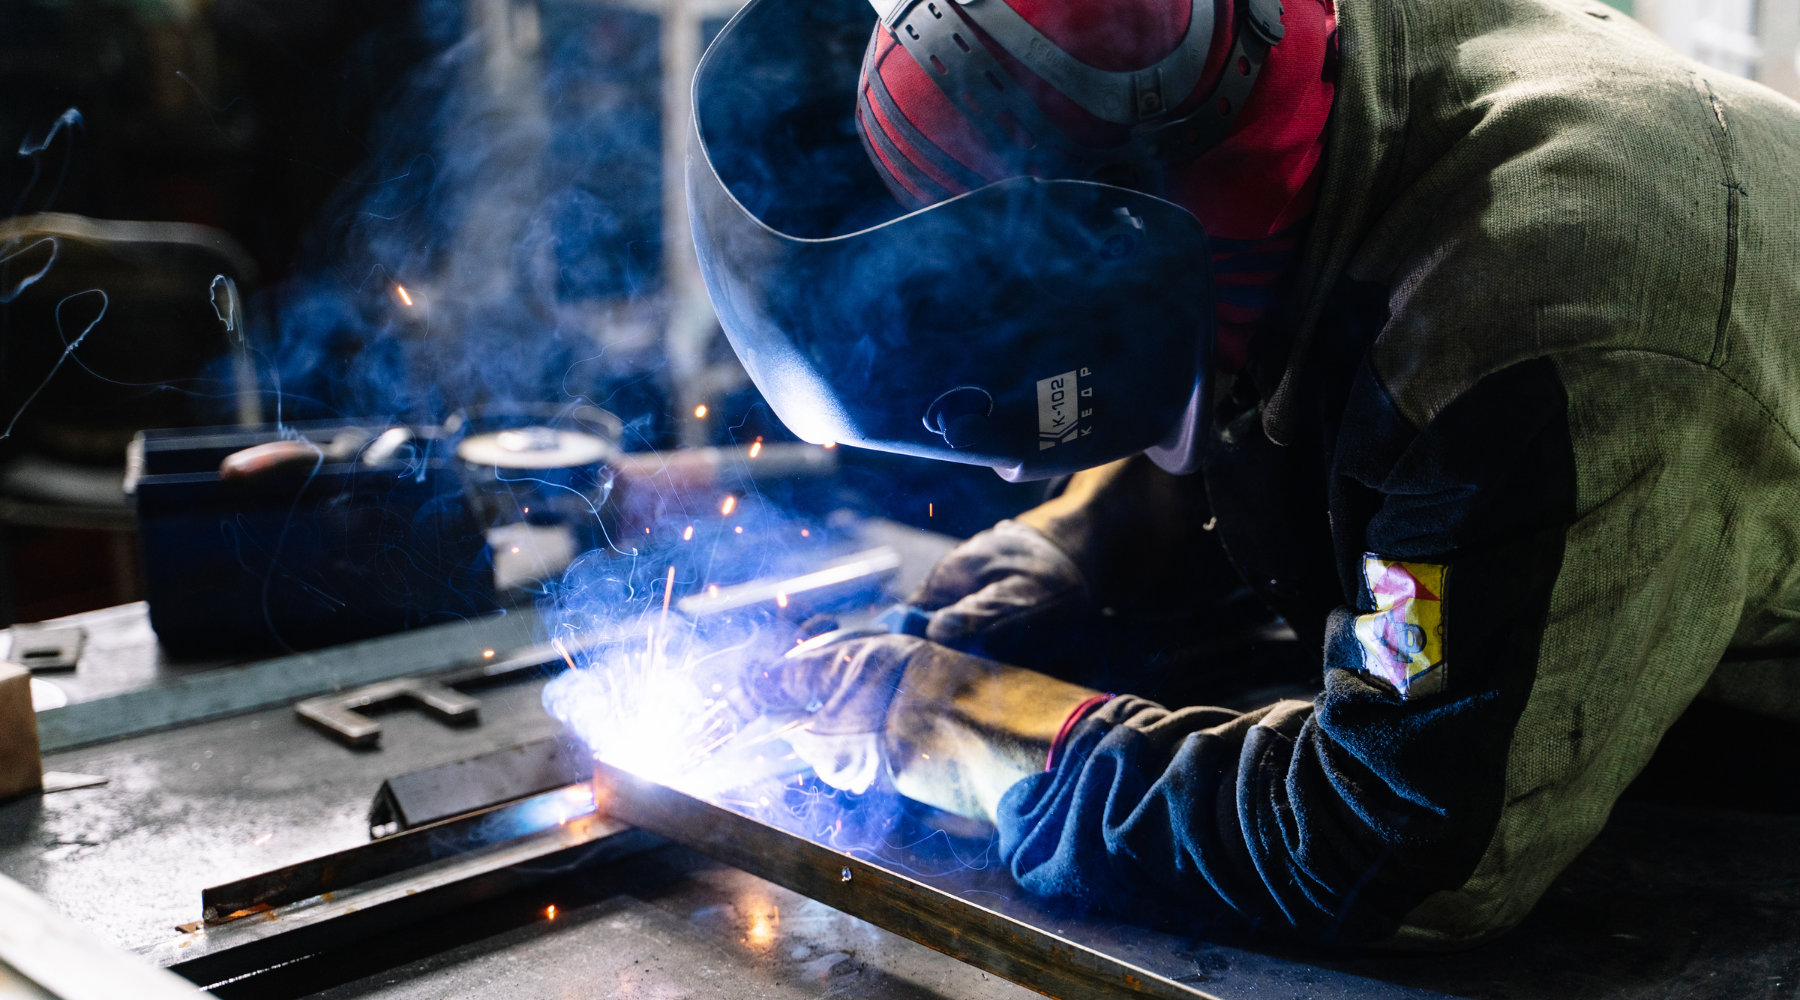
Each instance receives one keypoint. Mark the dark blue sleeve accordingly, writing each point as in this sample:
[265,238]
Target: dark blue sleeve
[1332,820]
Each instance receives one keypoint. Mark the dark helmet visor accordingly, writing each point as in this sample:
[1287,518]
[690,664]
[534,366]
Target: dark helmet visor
[1038,327]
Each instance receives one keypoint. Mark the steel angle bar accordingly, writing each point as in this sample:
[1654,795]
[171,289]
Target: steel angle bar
[991,941]
[410,849]
[350,914]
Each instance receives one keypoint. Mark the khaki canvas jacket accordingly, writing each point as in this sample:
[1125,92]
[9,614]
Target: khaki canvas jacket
[1545,340]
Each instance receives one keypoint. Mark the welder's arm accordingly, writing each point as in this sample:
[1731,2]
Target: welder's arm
[1118,533]
[1521,632]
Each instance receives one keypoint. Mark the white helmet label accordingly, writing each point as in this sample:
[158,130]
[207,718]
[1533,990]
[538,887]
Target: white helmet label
[1062,408]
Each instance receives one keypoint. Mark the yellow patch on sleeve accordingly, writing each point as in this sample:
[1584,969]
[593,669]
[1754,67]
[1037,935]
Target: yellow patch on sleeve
[1403,638]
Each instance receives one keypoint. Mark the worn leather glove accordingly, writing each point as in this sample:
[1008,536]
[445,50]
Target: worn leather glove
[841,693]
[991,591]
[952,730]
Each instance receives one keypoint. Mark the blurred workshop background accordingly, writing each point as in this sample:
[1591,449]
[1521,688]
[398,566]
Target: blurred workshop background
[422,210]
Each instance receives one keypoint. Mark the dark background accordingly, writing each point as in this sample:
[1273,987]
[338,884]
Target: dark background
[293,127]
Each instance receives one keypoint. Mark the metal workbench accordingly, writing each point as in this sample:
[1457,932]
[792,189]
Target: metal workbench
[1683,895]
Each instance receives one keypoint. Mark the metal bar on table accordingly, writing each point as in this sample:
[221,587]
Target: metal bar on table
[852,575]
[993,942]
[336,917]
[391,855]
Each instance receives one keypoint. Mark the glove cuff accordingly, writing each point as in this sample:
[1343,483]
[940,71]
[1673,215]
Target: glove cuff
[1080,712]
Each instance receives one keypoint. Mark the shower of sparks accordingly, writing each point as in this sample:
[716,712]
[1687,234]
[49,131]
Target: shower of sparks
[728,506]
[400,290]
[639,705]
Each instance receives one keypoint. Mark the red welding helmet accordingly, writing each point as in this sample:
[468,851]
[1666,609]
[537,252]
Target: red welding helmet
[1050,321]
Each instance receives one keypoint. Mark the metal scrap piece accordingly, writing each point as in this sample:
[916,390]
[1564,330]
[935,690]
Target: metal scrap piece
[46,648]
[337,713]
[464,786]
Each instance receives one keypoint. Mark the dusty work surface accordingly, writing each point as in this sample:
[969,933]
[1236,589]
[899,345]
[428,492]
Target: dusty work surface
[1692,891]
[1674,900]
[221,800]
[1634,919]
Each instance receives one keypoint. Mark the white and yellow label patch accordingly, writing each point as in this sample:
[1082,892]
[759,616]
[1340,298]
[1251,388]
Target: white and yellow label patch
[1403,638]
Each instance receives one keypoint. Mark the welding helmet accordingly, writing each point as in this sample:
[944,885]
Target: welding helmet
[1038,325]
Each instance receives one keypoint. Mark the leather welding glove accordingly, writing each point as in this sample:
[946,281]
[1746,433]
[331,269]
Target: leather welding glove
[953,731]
[840,694]
[988,592]
[1125,536]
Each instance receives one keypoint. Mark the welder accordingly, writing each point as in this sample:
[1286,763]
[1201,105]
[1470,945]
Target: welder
[1464,328]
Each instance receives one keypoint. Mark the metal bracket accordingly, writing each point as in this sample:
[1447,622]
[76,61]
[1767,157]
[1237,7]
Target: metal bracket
[38,649]
[337,713]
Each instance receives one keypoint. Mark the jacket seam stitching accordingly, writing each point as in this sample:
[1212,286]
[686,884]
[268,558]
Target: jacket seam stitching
[1769,414]
[1722,144]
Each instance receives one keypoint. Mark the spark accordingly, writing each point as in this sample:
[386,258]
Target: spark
[688,535]
[700,411]
[729,505]
[931,510]
[557,644]
[488,654]
[739,529]
[662,624]
[550,912]
[805,533]
[717,688]
[764,926]
[830,444]
[712,590]
[400,290]
[515,550]
[261,839]
[528,510]
[756,448]
[781,600]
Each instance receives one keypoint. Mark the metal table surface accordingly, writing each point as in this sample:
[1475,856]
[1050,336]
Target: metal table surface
[1684,895]
[208,803]
[1671,901]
